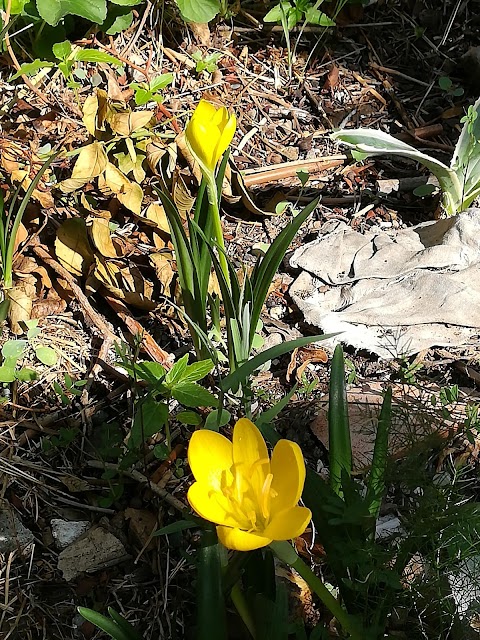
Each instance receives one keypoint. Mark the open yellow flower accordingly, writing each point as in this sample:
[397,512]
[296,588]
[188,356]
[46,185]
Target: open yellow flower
[209,133]
[253,500]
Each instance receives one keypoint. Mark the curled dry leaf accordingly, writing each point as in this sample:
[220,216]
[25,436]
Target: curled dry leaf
[100,234]
[127,122]
[155,216]
[125,283]
[96,110]
[185,151]
[162,263]
[72,247]
[182,197]
[91,162]
[156,150]
[21,302]
[22,235]
[142,525]
[129,193]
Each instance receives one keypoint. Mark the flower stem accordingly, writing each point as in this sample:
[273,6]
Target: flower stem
[285,552]
[241,606]
[217,230]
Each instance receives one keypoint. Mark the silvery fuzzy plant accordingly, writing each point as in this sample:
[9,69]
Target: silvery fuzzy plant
[460,183]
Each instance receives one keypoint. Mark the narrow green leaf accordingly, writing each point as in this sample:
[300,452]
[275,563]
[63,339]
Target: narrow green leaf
[105,624]
[91,55]
[266,268]
[339,445]
[211,614]
[124,624]
[267,417]
[238,377]
[175,527]
[376,479]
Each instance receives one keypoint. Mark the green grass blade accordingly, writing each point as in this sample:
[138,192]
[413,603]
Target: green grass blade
[238,377]
[266,268]
[376,480]
[340,450]
[211,615]
[124,624]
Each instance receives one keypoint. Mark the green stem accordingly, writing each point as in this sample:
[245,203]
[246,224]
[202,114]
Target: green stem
[217,230]
[287,554]
[241,606]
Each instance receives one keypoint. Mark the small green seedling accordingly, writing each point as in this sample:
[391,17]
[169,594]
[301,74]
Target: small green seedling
[208,62]
[446,84]
[72,388]
[145,92]
[14,351]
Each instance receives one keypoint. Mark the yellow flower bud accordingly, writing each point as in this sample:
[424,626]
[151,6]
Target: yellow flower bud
[209,133]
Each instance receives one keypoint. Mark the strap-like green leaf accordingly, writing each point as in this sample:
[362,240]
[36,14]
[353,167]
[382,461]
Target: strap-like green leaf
[376,480]
[340,450]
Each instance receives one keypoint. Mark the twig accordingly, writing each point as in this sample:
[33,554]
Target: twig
[265,175]
[139,477]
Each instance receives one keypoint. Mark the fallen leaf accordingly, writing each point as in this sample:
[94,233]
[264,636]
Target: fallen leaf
[126,123]
[125,283]
[142,524]
[95,111]
[100,234]
[91,162]
[162,263]
[156,216]
[129,193]
[72,247]
[156,150]
[21,302]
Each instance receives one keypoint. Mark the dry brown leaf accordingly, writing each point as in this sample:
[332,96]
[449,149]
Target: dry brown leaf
[158,242]
[52,305]
[129,193]
[182,197]
[100,234]
[126,123]
[72,247]
[114,89]
[22,235]
[201,33]
[142,525]
[125,283]
[95,111]
[156,216]
[162,263]
[91,162]
[185,151]
[21,302]
[156,150]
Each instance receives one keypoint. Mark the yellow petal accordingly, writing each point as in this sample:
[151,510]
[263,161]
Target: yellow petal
[203,142]
[226,136]
[250,456]
[205,111]
[288,524]
[209,455]
[288,468]
[241,540]
[211,505]
[220,118]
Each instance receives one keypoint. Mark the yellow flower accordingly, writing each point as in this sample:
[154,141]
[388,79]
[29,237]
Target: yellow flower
[252,499]
[209,133]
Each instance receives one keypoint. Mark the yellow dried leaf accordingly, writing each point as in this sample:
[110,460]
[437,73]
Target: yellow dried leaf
[162,263]
[125,282]
[182,198]
[126,123]
[130,194]
[155,215]
[91,162]
[21,303]
[72,247]
[100,233]
[95,110]
[156,150]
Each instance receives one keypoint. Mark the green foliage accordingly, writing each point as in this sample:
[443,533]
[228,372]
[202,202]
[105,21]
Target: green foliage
[199,10]
[290,14]
[14,351]
[116,626]
[145,92]
[67,58]
[446,84]
[207,62]
[72,388]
